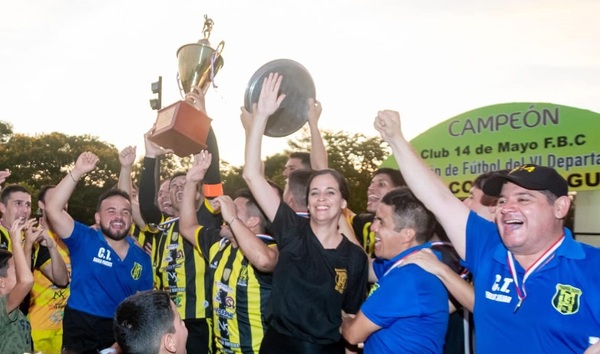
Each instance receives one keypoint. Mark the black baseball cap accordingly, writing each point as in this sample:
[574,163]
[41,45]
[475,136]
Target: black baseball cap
[532,177]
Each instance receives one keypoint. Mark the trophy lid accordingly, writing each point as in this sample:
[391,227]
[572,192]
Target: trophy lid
[297,85]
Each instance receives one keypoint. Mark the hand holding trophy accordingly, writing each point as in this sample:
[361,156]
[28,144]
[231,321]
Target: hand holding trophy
[183,126]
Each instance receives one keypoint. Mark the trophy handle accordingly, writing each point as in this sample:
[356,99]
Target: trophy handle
[220,47]
[181,92]
[213,58]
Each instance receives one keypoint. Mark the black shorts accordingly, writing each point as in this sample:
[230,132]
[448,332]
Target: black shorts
[275,343]
[199,340]
[85,333]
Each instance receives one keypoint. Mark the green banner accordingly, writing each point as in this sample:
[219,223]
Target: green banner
[508,135]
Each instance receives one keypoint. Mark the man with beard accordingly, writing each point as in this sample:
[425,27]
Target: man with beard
[106,265]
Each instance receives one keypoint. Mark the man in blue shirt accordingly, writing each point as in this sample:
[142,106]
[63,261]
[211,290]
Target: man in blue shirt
[536,288]
[106,265]
[407,310]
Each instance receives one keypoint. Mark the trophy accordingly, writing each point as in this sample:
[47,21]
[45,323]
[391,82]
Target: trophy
[182,127]
[298,87]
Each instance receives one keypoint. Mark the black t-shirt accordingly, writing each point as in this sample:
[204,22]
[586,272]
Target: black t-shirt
[311,284]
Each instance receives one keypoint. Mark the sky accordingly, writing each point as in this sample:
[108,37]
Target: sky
[86,66]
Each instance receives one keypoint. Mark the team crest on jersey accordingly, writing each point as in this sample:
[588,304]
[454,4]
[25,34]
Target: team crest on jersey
[341,276]
[567,299]
[136,271]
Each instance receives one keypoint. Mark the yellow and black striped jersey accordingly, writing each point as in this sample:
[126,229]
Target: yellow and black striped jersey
[240,294]
[180,270]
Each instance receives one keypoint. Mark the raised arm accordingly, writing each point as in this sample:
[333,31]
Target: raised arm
[4,174]
[268,103]
[149,210]
[188,222]
[29,240]
[56,271]
[22,266]
[62,223]
[127,158]
[212,185]
[424,183]
[262,257]
[318,152]
[459,288]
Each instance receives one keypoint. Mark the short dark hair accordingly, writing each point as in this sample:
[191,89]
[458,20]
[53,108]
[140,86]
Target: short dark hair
[303,156]
[5,255]
[177,174]
[141,320]
[252,206]
[410,212]
[298,185]
[111,193]
[10,189]
[482,178]
[41,196]
[479,182]
[342,184]
[394,174]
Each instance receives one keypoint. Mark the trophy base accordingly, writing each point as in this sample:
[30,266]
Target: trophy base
[182,128]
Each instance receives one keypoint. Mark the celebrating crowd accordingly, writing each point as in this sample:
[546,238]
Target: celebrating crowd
[174,266]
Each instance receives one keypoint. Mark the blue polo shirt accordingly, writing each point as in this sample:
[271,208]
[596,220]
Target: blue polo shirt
[561,312]
[100,280]
[411,307]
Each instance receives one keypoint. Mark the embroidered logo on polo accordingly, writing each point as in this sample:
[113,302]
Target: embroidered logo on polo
[136,271]
[341,276]
[567,299]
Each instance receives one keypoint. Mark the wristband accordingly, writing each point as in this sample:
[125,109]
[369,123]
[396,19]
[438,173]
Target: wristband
[73,178]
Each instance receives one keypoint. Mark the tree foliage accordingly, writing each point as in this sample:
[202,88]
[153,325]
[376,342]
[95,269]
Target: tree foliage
[35,161]
[6,132]
[44,159]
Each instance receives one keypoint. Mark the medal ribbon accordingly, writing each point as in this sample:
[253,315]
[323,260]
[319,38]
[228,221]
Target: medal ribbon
[537,265]
[303,214]
[398,262]
[224,241]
